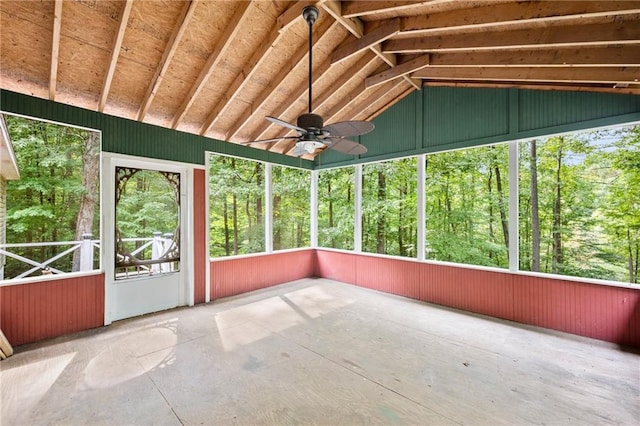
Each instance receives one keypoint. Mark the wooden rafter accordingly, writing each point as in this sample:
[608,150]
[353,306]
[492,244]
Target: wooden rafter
[620,31]
[323,28]
[584,56]
[399,70]
[284,21]
[115,53]
[489,16]
[608,75]
[221,48]
[368,40]
[170,50]
[355,27]
[630,90]
[351,9]
[55,49]
[617,56]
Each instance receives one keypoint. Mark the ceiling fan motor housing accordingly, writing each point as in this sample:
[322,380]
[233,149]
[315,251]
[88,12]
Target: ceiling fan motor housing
[310,121]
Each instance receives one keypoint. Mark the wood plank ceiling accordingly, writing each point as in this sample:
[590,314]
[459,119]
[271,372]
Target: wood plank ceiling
[217,68]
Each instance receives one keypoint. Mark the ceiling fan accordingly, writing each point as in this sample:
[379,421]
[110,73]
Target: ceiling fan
[312,133]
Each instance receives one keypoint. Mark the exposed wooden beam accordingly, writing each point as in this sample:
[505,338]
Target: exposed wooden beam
[625,31]
[283,22]
[339,84]
[631,90]
[371,98]
[219,51]
[491,16]
[115,53]
[398,71]
[355,27]
[55,49]
[352,9]
[323,28]
[586,75]
[617,55]
[368,40]
[169,51]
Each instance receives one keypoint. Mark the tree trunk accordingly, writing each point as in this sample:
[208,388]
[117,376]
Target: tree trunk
[277,235]
[88,202]
[380,234]
[632,266]
[333,239]
[490,189]
[401,248]
[225,216]
[557,217]
[503,210]
[535,218]
[234,212]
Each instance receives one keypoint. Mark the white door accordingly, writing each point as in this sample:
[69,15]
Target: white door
[145,248]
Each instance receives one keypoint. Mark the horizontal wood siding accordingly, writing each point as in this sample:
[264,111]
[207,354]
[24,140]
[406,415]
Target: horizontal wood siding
[41,310]
[237,275]
[598,311]
[199,236]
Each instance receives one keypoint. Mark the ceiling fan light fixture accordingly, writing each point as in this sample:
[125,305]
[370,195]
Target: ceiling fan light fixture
[308,145]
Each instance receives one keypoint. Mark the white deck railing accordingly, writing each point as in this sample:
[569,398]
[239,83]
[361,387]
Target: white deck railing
[159,244]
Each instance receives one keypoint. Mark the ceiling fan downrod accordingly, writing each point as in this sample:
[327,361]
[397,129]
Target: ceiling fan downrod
[310,14]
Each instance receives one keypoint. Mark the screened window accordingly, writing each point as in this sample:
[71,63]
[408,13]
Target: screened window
[466,201]
[291,207]
[579,204]
[389,207]
[336,208]
[236,206]
[52,209]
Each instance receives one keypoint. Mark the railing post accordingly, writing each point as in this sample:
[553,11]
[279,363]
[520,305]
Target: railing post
[168,240]
[156,250]
[86,253]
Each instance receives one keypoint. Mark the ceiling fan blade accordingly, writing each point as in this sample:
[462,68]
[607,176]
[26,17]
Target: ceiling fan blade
[349,128]
[346,146]
[272,140]
[285,124]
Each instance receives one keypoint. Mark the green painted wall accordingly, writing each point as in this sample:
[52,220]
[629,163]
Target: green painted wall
[431,120]
[130,137]
[443,118]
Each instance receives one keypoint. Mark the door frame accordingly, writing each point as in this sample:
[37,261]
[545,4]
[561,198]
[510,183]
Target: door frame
[109,162]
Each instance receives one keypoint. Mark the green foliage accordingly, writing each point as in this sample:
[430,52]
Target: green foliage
[464,206]
[42,206]
[236,206]
[336,208]
[291,204]
[598,176]
[389,207]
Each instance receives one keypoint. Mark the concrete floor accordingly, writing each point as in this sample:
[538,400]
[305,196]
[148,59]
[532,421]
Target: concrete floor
[320,352]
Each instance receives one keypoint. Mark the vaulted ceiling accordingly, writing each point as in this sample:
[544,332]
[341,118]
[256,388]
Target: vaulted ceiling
[217,68]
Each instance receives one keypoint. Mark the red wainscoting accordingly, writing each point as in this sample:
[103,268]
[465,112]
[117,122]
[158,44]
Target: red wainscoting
[599,311]
[34,311]
[241,274]
[200,236]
